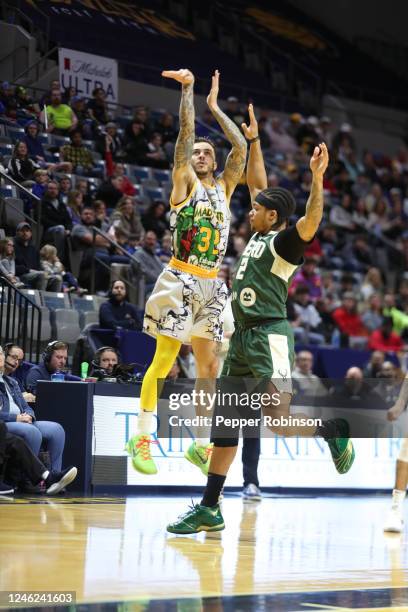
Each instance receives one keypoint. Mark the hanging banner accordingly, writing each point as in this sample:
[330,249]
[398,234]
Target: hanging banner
[86,72]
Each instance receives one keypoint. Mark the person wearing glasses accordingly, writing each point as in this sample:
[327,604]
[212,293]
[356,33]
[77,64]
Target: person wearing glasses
[16,367]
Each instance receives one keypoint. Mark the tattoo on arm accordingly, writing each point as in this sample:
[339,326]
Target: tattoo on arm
[314,206]
[185,139]
[235,163]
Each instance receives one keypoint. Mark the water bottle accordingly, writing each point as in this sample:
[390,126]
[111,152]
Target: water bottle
[84,369]
[58,377]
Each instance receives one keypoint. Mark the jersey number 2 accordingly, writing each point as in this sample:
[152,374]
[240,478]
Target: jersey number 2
[242,268]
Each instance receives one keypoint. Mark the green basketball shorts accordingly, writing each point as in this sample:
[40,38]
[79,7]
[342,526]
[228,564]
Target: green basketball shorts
[266,352]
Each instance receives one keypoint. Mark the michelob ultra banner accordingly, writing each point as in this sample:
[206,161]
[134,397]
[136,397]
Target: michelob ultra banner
[86,72]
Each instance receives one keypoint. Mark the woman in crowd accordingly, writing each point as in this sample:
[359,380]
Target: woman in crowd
[21,168]
[127,219]
[372,283]
[8,262]
[75,205]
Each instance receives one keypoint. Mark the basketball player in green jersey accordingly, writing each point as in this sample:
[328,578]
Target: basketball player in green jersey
[188,299]
[262,345]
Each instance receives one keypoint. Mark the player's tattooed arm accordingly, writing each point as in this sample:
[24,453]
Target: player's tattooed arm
[308,225]
[256,172]
[183,174]
[235,164]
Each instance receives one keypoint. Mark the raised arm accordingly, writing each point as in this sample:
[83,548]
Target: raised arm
[235,164]
[183,174]
[308,225]
[256,173]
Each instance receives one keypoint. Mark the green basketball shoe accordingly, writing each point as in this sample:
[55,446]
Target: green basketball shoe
[138,448]
[198,518]
[199,456]
[341,447]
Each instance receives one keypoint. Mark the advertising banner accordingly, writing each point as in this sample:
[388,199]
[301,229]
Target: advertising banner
[86,72]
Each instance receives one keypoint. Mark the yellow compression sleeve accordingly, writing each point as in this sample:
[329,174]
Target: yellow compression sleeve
[167,350]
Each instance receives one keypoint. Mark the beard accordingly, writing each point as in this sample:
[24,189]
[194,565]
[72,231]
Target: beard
[203,173]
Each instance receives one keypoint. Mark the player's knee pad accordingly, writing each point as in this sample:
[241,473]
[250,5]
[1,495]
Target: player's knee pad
[403,453]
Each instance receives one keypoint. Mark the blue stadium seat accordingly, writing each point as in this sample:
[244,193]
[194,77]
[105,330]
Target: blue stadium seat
[65,324]
[33,295]
[84,304]
[32,319]
[163,176]
[45,138]
[15,133]
[55,300]
[88,318]
[89,144]
[6,149]
[59,141]
[155,194]
[6,192]
[52,158]
[13,211]
[141,172]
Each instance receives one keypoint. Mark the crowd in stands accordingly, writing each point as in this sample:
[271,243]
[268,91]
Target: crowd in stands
[93,167]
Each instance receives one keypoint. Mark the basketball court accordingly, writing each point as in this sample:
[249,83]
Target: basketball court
[287,553]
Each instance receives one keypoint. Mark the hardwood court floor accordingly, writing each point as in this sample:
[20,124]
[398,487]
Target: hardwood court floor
[284,554]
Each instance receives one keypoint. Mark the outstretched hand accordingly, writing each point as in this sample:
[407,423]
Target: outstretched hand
[319,160]
[250,131]
[212,98]
[183,76]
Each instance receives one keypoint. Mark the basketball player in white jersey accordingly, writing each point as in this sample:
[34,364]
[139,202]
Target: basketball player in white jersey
[187,302]
[394,521]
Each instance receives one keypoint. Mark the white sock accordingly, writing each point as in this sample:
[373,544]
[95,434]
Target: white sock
[45,475]
[144,422]
[398,499]
[201,441]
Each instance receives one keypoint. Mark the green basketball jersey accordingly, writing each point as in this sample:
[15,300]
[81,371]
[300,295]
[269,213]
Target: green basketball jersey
[260,287]
[200,226]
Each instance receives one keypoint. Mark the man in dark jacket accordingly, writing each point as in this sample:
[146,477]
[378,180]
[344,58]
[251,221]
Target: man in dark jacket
[117,311]
[54,360]
[28,266]
[55,219]
[18,462]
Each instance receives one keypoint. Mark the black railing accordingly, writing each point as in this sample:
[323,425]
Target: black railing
[20,320]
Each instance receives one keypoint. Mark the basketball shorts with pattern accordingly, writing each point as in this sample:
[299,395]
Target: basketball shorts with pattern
[183,305]
[265,353]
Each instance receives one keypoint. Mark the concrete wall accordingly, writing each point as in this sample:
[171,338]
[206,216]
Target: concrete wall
[376,127]
[12,37]
[132,94]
